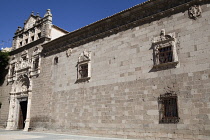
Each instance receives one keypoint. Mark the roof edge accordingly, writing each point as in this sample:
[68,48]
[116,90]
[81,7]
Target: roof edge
[135,16]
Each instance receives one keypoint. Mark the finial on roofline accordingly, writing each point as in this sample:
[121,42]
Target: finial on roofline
[48,13]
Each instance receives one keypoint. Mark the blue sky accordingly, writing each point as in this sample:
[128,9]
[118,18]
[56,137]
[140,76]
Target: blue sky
[67,14]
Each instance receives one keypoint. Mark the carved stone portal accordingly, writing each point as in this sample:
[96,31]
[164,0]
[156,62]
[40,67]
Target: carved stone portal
[20,104]
[194,11]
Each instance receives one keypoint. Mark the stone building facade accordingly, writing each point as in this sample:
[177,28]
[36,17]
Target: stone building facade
[143,73]
[24,66]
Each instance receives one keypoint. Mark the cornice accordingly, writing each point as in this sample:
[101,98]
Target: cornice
[136,16]
[30,45]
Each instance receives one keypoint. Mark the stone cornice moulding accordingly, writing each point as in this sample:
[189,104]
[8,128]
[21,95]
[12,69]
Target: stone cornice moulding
[127,19]
[30,45]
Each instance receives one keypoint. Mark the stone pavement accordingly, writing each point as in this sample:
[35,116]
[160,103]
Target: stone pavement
[21,135]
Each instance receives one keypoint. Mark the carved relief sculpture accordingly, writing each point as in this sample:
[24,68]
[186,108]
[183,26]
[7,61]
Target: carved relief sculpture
[69,52]
[164,48]
[194,11]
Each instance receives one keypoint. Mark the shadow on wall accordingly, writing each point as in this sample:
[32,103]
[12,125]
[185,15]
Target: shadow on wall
[3,76]
[41,122]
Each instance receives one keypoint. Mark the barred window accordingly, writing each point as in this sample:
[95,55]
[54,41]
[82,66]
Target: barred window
[168,108]
[165,54]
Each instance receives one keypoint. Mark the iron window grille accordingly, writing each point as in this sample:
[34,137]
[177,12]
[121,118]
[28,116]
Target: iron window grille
[165,55]
[168,109]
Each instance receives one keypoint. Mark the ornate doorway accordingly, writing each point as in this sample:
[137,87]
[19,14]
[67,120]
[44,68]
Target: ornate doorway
[20,104]
[22,114]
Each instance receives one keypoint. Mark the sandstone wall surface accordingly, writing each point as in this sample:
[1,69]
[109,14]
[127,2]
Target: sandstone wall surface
[121,98]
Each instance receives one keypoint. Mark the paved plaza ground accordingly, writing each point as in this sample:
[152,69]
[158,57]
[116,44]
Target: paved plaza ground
[21,135]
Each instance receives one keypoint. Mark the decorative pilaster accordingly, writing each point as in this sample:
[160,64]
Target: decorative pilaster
[11,117]
[28,115]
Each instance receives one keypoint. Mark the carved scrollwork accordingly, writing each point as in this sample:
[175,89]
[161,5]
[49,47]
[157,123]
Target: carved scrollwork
[194,11]
[84,56]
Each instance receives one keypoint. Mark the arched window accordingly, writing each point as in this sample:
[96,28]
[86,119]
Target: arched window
[56,60]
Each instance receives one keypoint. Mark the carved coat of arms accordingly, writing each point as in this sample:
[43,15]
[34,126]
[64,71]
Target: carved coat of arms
[194,11]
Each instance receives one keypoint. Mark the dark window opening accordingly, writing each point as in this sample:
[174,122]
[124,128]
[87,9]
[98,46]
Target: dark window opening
[165,55]
[39,35]
[32,38]
[26,41]
[168,108]
[83,70]
[21,43]
[56,60]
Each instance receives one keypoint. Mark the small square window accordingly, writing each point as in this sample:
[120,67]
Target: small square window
[168,108]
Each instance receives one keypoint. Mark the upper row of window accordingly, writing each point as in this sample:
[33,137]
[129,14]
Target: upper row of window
[164,49]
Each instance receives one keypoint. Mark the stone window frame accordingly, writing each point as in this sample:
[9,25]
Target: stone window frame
[164,41]
[168,108]
[36,55]
[84,59]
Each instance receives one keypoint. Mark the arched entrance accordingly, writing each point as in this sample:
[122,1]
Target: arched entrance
[20,103]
